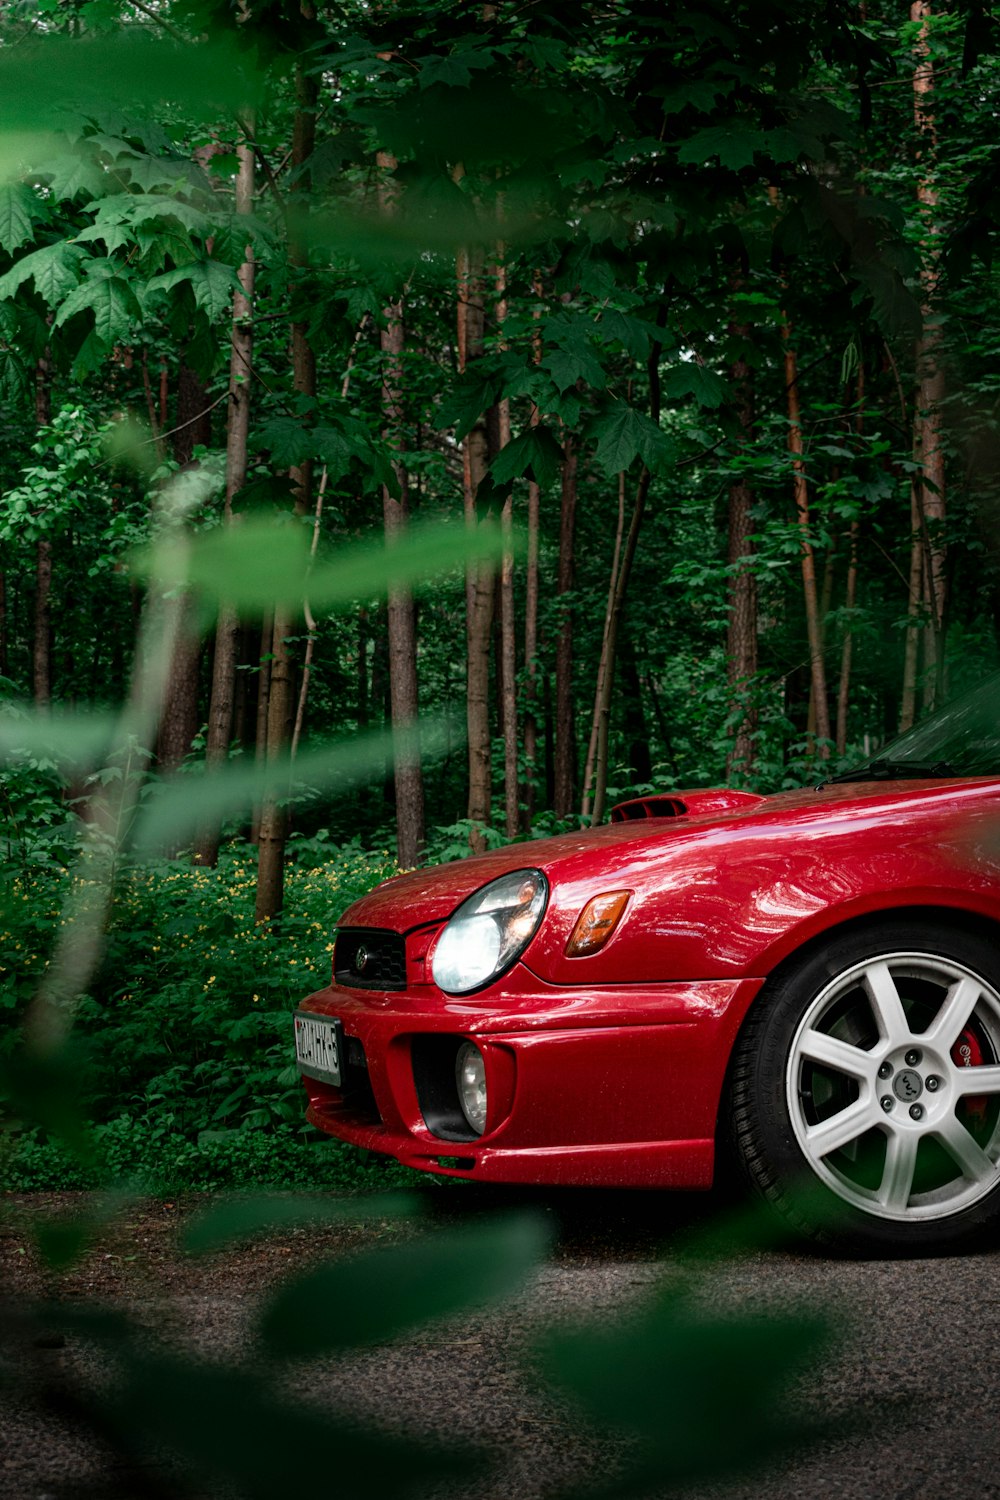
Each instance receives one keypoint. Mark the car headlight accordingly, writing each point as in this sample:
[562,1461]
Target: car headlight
[489,932]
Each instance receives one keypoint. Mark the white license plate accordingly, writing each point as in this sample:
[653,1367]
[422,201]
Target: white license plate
[319,1042]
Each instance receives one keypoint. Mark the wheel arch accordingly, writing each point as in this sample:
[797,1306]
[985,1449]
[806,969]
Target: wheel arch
[959,918]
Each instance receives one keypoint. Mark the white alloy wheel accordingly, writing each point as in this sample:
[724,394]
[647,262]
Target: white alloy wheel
[864,1088]
[892,1086]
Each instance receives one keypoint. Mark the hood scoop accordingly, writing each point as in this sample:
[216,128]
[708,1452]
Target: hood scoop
[684,804]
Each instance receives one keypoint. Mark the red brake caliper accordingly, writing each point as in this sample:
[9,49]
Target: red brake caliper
[967,1053]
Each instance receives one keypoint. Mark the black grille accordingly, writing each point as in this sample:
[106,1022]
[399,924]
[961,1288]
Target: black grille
[365,958]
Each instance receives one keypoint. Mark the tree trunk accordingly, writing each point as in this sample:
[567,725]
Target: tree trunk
[817,670]
[273,830]
[741,626]
[851,590]
[402,619]
[529,715]
[607,683]
[508,640]
[179,722]
[220,713]
[42,647]
[479,587]
[588,771]
[928,426]
[621,589]
[565,752]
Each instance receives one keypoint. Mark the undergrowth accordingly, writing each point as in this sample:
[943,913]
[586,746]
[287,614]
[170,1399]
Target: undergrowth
[184,1038]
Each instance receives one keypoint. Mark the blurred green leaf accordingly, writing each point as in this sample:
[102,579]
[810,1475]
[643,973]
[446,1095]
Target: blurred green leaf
[179,808]
[55,75]
[382,1294]
[256,565]
[62,1242]
[701,1396]
[228,1424]
[248,1218]
[43,1088]
[73,740]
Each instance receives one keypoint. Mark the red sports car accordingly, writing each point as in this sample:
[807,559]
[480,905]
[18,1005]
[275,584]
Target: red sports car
[810,981]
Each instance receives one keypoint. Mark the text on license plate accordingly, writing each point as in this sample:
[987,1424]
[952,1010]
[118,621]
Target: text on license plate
[318,1047]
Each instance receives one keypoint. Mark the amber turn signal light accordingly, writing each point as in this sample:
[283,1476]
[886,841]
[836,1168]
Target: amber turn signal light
[596,923]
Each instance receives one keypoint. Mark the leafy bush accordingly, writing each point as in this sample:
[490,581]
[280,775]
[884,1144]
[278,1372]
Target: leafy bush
[186,1029]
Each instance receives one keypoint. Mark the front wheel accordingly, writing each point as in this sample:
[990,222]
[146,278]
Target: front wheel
[865,1090]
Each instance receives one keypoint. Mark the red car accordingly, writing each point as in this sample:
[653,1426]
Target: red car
[810,981]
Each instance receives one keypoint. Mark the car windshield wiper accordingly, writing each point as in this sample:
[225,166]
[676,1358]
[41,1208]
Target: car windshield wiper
[895,770]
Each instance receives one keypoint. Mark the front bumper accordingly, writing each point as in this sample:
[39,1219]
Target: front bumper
[611,1087]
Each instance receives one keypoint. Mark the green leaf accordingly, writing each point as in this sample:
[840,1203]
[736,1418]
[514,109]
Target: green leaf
[212,283]
[623,433]
[472,394]
[533,453]
[73,174]
[251,1217]
[734,145]
[111,300]
[18,210]
[55,269]
[384,1293]
[689,378]
[634,334]
[568,366]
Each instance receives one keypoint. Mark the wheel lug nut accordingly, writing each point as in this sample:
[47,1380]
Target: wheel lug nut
[933,1084]
[887,1102]
[885,1071]
[912,1057]
[916,1111]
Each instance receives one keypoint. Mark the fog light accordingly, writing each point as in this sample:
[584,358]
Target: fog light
[470,1076]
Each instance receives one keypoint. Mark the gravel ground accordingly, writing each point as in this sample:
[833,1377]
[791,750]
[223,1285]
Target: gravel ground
[908,1393]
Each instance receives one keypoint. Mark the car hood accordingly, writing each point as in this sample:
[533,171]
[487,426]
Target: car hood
[638,845]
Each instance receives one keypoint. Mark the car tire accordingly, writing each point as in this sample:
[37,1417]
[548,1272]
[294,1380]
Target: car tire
[864,1089]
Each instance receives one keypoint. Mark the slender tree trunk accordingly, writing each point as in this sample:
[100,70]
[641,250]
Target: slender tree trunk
[4,668]
[42,648]
[508,638]
[565,752]
[618,604]
[220,713]
[300,708]
[529,715]
[588,771]
[402,619]
[479,577]
[741,628]
[817,672]
[911,652]
[851,590]
[273,831]
[614,624]
[263,704]
[928,423]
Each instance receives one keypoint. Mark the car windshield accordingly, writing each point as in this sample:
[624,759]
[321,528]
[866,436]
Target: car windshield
[961,739]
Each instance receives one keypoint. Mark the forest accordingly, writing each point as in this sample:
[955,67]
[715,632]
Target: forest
[424,426]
